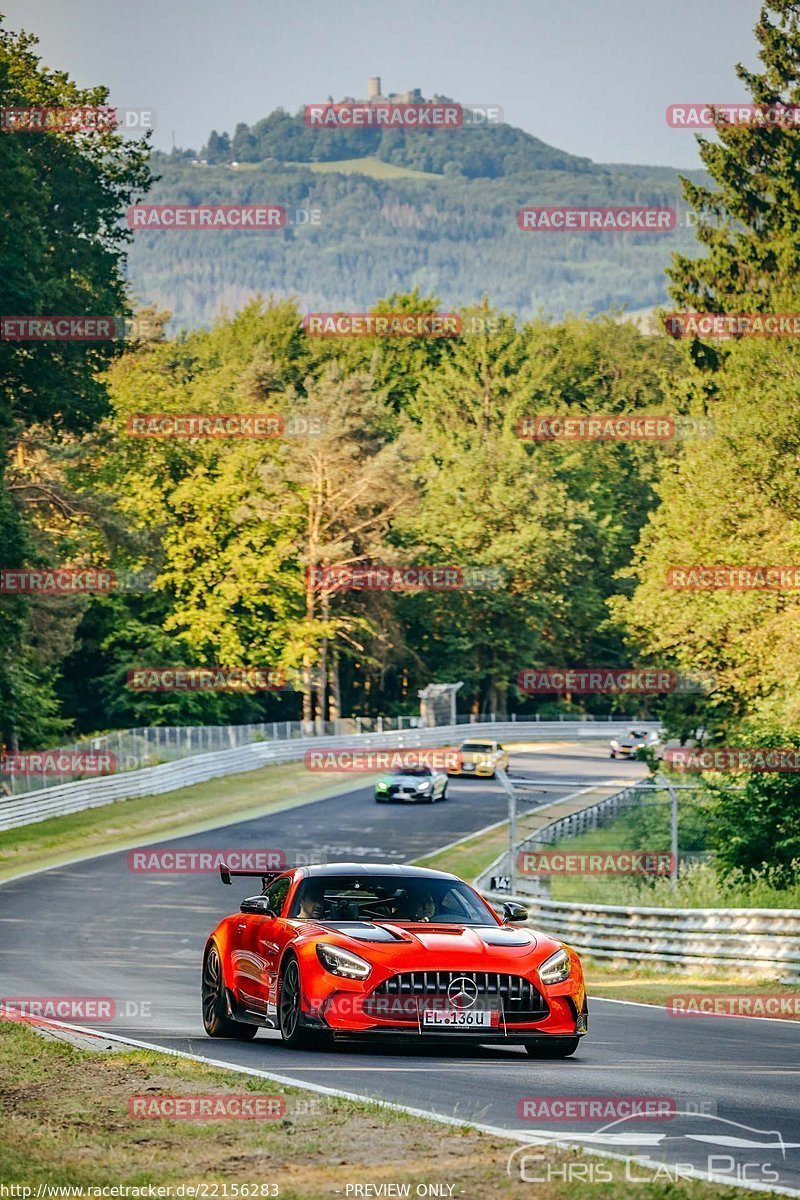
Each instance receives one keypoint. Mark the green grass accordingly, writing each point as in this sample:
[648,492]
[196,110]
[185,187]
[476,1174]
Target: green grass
[127,823]
[470,857]
[375,168]
[698,885]
[651,986]
[66,1122]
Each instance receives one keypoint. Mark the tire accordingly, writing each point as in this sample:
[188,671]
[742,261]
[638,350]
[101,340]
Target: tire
[216,1021]
[561,1047]
[444,793]
[612,755]
[289,1009]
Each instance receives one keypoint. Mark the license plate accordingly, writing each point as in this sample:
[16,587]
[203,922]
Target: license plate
[460,1018]
[469,766]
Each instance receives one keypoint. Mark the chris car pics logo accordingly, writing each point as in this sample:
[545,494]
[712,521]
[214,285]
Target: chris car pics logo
[691,1144]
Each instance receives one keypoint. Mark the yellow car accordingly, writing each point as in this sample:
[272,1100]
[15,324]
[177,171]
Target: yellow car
[480,758]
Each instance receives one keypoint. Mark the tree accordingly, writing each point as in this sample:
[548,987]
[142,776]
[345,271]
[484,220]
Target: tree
[748,223]
[730,499]
[352,480]
[755,825]
[240,524]
[218,148]
[243,146]
[62,254]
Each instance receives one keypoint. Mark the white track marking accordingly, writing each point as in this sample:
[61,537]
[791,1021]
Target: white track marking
[440,1118]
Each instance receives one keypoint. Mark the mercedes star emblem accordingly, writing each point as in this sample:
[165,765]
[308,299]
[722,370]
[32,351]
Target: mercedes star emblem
[462,992]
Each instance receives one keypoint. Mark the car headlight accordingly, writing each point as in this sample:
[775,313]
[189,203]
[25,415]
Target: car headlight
[382,787]
[556,968]
[342,962]
[424,787]
[614,744]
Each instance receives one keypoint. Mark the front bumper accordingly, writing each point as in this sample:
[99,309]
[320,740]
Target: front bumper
[561,1021]
[483,770]
[393,796]
[341,1010]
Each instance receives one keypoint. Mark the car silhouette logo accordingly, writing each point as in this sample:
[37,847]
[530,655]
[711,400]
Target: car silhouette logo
[462,992]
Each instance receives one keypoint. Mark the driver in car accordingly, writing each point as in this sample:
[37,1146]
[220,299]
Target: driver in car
[311,903]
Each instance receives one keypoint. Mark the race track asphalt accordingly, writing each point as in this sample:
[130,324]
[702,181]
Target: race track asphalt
[98,929]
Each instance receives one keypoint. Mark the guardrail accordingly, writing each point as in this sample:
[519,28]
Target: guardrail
[31,807]
[757,941]
[147,746]
[572,824]
[591,817]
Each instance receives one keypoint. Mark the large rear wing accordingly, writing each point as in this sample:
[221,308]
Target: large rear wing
[228,874]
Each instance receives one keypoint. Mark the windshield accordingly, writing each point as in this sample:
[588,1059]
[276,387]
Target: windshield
[413,771]
[481,747]
[389,898]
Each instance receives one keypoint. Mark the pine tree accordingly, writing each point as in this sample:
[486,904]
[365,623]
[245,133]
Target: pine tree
[750,224]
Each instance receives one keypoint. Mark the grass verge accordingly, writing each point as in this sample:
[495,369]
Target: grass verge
[468,858]
[374,167]
[656,987]
[127,823]
[81,1133]
[698,885]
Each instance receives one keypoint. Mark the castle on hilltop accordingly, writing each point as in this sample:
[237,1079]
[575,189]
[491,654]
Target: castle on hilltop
[412,96]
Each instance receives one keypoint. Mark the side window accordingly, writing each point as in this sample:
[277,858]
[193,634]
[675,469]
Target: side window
[277,893]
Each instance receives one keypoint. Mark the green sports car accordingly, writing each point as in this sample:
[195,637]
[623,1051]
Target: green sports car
[413,785]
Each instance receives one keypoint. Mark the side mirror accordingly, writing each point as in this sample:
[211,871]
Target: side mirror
[258,906]
[513,912]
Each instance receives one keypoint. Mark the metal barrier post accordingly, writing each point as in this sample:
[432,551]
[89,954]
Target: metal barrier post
[673,826]
[507,787]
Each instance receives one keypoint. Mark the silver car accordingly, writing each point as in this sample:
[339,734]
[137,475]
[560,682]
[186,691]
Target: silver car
[631,744]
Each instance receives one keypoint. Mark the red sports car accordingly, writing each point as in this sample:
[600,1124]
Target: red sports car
[355,950]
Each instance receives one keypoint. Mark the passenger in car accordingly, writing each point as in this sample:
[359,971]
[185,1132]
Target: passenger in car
[421,906]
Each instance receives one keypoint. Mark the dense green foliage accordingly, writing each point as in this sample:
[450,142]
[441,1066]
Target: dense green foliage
[417,459]
[420,462]
[472,151]
[454,236]
[61,250]
[748,220]
[735,499]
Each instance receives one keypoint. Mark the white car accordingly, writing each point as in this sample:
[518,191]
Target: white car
[631,744]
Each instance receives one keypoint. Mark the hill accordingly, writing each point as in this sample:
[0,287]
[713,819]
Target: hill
[436,211]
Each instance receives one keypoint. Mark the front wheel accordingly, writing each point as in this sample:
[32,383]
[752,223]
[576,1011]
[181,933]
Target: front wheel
[216,1021]
[444,793]
[553,1047]
[290,1014]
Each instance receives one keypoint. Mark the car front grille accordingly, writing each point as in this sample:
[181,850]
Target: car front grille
[517,996]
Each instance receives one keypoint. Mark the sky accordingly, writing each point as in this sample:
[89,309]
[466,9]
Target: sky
[592,77]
